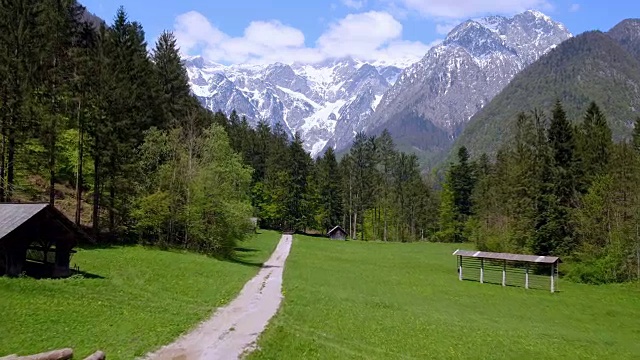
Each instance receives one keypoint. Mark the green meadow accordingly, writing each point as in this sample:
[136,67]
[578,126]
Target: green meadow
[359,300]
[131,300]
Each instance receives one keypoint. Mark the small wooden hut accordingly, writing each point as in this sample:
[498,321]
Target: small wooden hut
[337,233]
[36,237]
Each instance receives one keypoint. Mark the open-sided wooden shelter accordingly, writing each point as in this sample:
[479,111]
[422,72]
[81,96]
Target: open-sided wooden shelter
[38,235]
[478,262]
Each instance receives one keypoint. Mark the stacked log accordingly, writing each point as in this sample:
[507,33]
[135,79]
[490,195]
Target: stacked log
[61,354]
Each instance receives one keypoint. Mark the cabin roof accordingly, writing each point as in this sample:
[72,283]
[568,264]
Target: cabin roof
[507,256]
[336,229]
[14,215]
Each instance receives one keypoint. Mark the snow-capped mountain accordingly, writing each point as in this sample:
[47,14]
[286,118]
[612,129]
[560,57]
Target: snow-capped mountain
[433,99]
[423,105]
[316,100]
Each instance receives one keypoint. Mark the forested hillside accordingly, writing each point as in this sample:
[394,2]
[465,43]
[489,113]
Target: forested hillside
[90,118]
[375,192]
[557,189]
[590,67]
[96,125]
[88,113]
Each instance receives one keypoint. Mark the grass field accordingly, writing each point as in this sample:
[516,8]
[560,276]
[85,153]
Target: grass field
[142,299]
[354,300]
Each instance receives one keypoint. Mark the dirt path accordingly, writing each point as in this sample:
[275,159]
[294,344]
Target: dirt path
[234,329]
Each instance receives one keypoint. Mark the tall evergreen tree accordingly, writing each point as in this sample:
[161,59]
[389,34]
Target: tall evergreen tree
[19,62]
[364,177]
[596,144]
[463,182]
[175,97]
[386,155]
[300,168]
[556,228]
[330,190]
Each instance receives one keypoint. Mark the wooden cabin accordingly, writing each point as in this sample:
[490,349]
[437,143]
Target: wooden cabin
[337,233]
[36,238]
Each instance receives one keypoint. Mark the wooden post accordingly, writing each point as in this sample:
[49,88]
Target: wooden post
[460,268]
[553,272]
[481,271]
[526,276]
[504,273]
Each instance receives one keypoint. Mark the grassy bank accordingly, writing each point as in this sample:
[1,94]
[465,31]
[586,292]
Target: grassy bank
[133,300]
[383,301]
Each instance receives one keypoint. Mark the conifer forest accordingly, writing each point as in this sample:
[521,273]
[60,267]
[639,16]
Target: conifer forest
[87,109]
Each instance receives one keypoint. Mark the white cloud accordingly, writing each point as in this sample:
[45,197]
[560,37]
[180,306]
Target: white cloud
[193,29]
[574,7]
[468,8]
[374,36]
[354,4]
[359,34]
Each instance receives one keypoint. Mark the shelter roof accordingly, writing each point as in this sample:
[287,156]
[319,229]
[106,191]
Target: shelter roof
[507,256]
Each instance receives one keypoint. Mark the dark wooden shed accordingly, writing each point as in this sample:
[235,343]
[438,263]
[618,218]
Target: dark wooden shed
[36,236]
[337,233]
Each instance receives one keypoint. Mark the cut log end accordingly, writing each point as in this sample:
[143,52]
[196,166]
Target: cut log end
[98,355]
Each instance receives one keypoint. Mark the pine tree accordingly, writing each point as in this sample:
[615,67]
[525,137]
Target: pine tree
[364,177]
[563,150]
[58,27]
[20,41]
[130,110]
[330,190]
[462,183]
[175,96]
[554,224]
[299,168]
[596,142]
[386,155]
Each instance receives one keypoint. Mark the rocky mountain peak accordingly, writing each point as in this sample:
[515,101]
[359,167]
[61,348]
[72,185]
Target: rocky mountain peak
[454,80]
[330,101]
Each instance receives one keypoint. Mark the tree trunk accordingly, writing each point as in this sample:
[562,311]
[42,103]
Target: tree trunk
[385,222]
[2,165]
[375,213]
[355,225]
[112,196]
[79,179]
[10,168]
[112,206]
[95,217]
[52,165]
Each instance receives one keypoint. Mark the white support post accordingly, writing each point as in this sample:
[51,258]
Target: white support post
[460,268]
[504,273]
[526,276]
[481,271]
[553,275]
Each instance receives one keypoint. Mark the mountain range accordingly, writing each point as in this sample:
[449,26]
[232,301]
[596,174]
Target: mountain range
[424,105]
[593,66]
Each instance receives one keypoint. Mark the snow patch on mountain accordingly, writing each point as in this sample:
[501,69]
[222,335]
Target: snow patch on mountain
[330,101]
[311,99]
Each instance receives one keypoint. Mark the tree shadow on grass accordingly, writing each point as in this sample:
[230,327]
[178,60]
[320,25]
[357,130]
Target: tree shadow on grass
[86,275]
[240,258]
[245,250]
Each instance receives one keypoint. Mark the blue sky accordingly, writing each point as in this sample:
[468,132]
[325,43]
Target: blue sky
[240,31]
